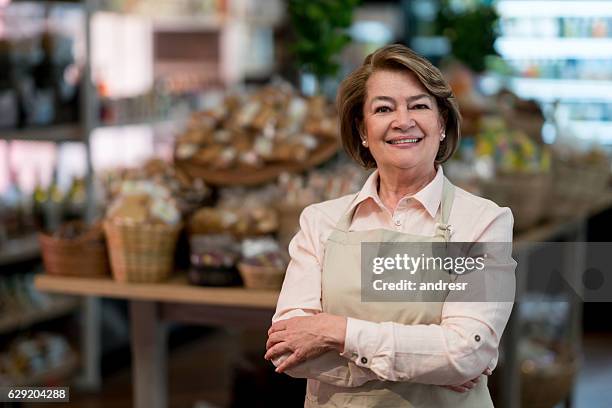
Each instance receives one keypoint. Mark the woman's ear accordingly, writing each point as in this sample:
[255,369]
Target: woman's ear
[361,130]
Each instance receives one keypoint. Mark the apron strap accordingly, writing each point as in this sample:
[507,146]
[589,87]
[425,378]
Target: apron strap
[448,196]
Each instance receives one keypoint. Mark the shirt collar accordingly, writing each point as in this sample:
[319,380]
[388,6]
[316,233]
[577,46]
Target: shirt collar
[429,196]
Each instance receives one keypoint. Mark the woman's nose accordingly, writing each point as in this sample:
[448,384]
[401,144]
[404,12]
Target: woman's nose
[403,120]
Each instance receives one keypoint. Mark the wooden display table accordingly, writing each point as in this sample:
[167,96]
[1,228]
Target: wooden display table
[152,305]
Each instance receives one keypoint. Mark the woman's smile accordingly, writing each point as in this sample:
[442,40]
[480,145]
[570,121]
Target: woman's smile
[404,142]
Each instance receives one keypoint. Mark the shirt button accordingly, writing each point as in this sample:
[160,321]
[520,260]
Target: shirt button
[364,360]
[477,337]
[398,222]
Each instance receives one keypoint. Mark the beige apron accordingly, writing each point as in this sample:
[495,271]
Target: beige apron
[341,295]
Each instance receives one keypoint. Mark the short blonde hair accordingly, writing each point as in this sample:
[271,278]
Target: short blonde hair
[352,94]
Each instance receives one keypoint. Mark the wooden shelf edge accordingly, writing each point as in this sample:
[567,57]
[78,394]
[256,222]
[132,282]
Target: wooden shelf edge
[56,309]
[19,249]
[52,133]
[175,290]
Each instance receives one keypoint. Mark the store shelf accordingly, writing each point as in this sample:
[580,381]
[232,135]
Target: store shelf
[53,376]
[248,176]
[24,319]
[56,133]
[176,289]
[19,250]
[563,89]
[136,122]
[554,8]
[554,48]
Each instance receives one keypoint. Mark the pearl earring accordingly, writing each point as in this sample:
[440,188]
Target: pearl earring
[363,142]
[442,136]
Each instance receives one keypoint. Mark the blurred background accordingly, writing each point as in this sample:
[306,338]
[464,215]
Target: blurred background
[174,143]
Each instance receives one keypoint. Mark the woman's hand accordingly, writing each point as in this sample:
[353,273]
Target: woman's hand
[468,385]
[305,338]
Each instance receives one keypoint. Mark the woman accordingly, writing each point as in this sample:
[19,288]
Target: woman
[398,115]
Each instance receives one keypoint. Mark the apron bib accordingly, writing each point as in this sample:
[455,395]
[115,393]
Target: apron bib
[341,295]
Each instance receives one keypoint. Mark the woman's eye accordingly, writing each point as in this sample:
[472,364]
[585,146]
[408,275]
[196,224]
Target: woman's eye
[382,109]
[420,106]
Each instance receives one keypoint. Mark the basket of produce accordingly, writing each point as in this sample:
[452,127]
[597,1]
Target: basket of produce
[142,228]
[252,138]
[262,265]
[76,249]
[519,172]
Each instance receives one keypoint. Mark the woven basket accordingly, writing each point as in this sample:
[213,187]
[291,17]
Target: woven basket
[261,277]
[141,253]
[545,388]
[84,256]
[525,194]
[575,187]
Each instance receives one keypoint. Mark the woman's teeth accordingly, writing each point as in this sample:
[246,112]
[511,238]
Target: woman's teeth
[402,141]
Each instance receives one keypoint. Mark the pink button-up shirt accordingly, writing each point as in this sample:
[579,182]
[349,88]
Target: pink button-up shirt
[453,352]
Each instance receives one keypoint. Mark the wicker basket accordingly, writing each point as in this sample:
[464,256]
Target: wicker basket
[545,388]
[261,277]
[575,187]
[141,253]
[84,256]
[525,194]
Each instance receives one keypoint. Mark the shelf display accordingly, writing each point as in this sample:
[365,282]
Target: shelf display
[558,53]
[548,360]
[518,171]
[22,305]
[44,359]
[41,65]
[253,138]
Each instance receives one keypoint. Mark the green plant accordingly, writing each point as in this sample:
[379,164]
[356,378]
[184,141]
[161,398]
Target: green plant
[319,33]
[471,30]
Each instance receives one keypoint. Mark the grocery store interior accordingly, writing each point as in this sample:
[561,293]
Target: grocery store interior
[210,125]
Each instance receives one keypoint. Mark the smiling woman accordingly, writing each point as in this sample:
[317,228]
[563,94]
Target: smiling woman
[398,115]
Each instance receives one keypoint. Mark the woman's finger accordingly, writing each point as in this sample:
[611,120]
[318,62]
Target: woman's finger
[278,326]
[278,350]
[275,338]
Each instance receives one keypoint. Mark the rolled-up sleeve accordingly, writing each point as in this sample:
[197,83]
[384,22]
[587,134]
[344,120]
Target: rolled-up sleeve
[465,342]
[301,296]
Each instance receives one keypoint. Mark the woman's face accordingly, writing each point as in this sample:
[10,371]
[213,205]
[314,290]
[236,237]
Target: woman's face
[402,124]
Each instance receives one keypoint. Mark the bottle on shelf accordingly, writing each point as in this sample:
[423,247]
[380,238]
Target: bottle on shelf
[39,200]
[12,215]
[75,200]
[53,205]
